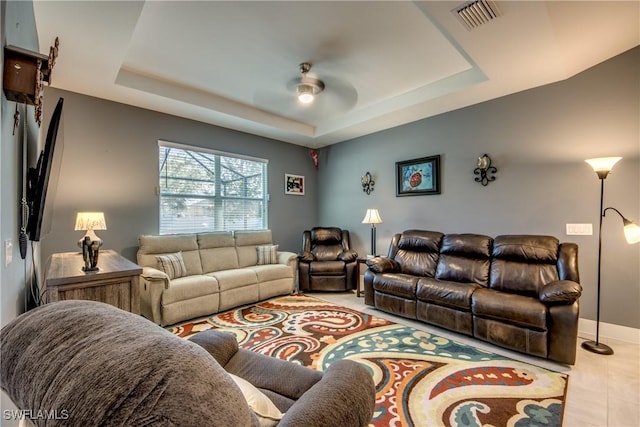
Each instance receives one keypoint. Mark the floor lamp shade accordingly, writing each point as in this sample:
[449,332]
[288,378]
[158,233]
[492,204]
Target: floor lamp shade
[372,217]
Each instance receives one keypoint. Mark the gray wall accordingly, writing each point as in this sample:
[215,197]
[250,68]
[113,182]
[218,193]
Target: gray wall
[538,140]
[18,29]
[110,164]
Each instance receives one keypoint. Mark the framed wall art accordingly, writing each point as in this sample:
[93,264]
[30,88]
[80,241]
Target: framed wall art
[418,176]
[294,184]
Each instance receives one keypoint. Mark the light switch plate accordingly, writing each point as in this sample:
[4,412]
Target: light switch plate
[8,252]
[579,229]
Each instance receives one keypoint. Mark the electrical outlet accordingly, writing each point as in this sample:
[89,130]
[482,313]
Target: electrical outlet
[8,252]
[579,229]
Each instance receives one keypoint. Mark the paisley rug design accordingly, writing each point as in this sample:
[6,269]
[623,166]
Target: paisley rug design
[421,379]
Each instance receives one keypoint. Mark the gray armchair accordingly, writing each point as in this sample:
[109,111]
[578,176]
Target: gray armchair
[90,363]
[327,262]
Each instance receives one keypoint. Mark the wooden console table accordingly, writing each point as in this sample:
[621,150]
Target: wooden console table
[116,282]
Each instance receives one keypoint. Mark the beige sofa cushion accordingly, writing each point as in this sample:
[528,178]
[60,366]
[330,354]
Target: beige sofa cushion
[150,246]
[188,287]
[217,251]
[269,272]
[236,278]
[246,242]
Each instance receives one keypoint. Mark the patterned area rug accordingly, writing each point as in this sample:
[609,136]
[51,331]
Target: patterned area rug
[421,379]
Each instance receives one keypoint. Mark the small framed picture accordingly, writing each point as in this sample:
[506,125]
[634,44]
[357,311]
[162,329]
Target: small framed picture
[418,176]
[294,184]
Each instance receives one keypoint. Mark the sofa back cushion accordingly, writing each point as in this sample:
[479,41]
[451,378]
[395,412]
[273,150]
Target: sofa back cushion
[523,264]
[465,258]
[417,252]
[151,246]
[217,251]
[246,242]
[326,243]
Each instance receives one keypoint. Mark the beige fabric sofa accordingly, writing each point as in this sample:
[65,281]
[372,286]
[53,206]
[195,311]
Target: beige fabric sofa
[221,271]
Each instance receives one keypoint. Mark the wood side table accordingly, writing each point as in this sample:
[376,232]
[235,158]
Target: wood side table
[116,282]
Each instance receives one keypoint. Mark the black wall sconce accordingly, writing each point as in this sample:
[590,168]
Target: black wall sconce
[367,183]
[485,170]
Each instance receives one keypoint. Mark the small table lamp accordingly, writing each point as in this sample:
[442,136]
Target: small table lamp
[372,217]
[90,243]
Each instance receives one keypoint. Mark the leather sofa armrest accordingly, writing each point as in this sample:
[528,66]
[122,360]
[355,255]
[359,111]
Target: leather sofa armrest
[560,292]
[348,255]
[383,265]
[345,396]
[151,275]
[306,256]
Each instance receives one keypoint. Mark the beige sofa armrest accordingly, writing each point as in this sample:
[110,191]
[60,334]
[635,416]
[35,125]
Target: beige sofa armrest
[151,275]
[286,257]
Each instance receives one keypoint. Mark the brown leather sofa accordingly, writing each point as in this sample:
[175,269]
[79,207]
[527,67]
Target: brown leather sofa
[327,262]
[517,291]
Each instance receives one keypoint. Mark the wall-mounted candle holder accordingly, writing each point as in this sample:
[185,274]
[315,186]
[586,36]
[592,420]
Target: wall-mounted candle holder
[367,183]
[485,170]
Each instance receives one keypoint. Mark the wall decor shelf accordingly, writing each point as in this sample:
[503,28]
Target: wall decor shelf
[25,73]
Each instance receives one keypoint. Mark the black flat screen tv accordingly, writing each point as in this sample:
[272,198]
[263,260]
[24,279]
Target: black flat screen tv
[38,177]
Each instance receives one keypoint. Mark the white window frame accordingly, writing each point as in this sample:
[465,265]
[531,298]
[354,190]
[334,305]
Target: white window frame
[207,208]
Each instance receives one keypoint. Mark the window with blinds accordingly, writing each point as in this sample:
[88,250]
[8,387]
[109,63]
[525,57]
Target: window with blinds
[203,190]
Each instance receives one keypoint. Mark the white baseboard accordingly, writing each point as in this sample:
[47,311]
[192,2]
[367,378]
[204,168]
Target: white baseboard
[587,329]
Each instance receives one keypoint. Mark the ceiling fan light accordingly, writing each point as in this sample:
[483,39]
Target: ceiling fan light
[305,94]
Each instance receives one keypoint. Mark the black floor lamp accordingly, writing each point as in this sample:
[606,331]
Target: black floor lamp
[602,166]
[372,217]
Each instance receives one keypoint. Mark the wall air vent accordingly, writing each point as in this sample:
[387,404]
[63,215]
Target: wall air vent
[476,13]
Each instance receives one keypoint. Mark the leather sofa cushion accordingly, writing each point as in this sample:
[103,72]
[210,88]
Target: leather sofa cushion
[403,285]
[327,268]
[348,256]
[509,308]
[418,252]
[383,265]
[538,249]
[521,278]
[326,235]
[326,252]
[561,292]
[450,294]
[465,258]
[469,245]
[420,241]
[462,269]
[417,263]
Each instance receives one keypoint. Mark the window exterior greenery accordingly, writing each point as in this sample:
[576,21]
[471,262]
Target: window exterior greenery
[202,190]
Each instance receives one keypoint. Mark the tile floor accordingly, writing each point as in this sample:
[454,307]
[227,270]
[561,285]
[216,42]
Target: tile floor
[603,390]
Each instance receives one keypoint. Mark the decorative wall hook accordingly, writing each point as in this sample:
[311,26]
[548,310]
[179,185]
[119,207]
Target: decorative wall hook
[367,183]
[314,156]
[485,170]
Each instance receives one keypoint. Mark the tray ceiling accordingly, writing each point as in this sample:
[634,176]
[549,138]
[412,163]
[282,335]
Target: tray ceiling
[383,63]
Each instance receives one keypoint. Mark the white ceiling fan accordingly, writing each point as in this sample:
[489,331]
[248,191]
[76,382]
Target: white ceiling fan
[306,87]
[311,96]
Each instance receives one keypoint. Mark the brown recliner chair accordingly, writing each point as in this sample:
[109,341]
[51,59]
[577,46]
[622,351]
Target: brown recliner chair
[327,262]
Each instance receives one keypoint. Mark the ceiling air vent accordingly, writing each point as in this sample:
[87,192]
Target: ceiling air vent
[477,13]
